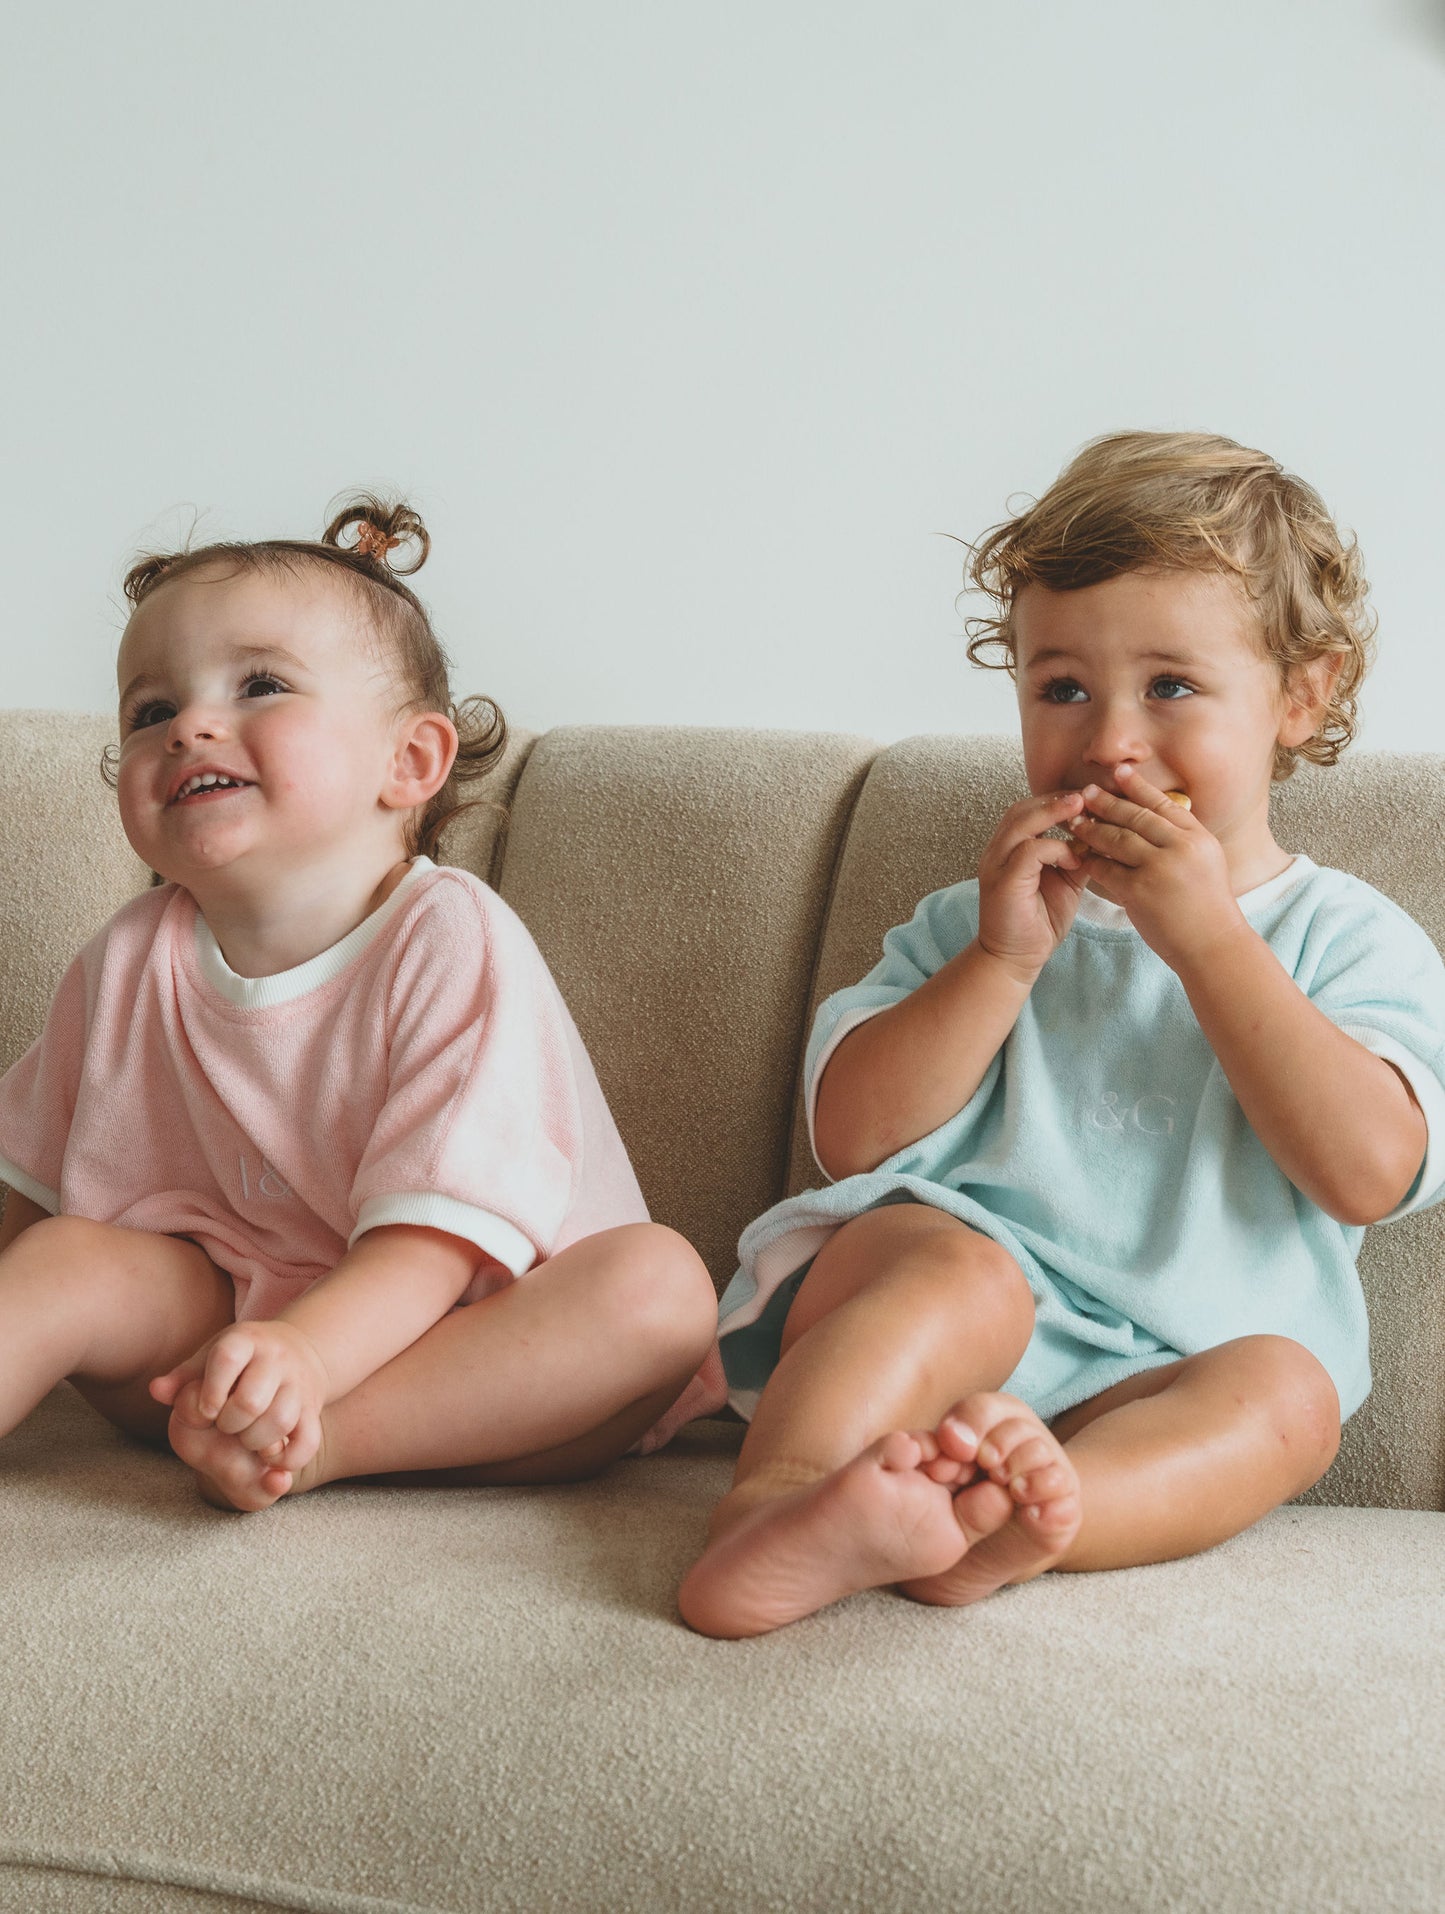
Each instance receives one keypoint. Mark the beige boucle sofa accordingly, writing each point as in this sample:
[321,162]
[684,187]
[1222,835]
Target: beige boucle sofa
[405,1699]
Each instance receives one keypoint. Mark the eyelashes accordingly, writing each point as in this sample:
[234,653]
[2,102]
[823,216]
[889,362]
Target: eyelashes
[1071,684]
[141,714]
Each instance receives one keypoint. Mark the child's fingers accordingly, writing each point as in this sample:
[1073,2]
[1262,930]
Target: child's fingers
[275,1424]
[251,1398]
[185,1406]
[1053,850]
[1024,823]
[227,1358]
[1112,841]
[305,1440]
[167,1387]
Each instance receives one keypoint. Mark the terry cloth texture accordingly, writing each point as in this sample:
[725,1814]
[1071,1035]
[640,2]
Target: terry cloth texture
[1106,1152]
[445,1086]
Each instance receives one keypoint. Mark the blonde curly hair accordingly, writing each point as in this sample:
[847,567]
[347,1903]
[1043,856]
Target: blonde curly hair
[1192,501]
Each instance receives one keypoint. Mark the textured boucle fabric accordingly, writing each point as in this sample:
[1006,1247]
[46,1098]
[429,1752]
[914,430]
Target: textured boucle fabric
[455,1700]
[925,815]
[475,838]
[675,881]
[65,866]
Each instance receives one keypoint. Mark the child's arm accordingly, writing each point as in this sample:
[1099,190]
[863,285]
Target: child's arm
[1342,1123]
[908,1069]
[911,1067]
[276,1376]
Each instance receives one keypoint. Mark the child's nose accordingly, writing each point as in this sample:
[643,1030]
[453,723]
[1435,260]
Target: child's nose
[195,724]
[1117,738]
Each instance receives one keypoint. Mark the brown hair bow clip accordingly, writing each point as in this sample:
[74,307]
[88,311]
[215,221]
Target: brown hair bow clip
[372,541]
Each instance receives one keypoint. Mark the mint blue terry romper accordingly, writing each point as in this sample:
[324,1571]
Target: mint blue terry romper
[1106,1152]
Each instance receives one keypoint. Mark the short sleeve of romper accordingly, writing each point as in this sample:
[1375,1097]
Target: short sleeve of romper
[480,1127]
[1105,1150]
[945,923]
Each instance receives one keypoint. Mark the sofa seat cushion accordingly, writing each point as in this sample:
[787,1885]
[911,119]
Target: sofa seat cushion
[414,1699]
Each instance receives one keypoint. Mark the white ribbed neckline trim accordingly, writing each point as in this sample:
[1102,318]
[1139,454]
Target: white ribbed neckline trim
[1099,912]
[259,993]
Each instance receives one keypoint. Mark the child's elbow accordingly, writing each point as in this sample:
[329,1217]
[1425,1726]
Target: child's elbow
[836,1148]
[1363,1203]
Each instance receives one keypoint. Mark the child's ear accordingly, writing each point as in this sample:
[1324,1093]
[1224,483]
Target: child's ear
[1306,699]
[424,748]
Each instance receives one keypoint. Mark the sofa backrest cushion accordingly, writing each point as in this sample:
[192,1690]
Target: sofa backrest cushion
[676,880]
[65,866]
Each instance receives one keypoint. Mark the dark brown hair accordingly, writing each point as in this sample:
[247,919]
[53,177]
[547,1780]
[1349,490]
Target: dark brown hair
[398,617]
[1193,501]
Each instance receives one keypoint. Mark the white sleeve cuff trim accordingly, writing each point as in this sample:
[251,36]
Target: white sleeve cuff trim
[845,1025]
[27,1186]
[426,1209]
[1430,1095]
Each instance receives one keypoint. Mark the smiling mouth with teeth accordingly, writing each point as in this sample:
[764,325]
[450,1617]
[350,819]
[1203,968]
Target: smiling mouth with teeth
[206,785]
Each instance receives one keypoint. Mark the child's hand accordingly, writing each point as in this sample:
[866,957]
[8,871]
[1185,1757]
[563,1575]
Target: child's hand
[1029,884]
[263,1382]
[1167,870]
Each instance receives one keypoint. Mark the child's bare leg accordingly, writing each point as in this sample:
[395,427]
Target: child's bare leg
[842,1483]
[107,1308]
[550,1379]
[1176,1460]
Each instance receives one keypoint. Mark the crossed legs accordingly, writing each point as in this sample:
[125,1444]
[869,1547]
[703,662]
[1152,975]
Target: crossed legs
[883,1451]
[548,1380]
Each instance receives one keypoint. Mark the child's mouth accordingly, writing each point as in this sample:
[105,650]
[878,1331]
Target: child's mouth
[199,790]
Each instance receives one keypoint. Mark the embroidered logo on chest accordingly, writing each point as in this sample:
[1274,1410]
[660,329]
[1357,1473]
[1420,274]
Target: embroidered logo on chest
[269,1181]
[1152,1115]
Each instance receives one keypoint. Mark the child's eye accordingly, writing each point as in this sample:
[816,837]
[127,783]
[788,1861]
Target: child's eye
[153,711]
[1059,684]
[267,683]
[1064,685]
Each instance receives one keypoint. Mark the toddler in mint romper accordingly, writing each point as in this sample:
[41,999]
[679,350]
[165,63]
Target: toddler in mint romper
[1106,1152]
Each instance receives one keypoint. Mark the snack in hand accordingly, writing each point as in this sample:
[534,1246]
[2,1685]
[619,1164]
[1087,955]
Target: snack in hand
[1174,797]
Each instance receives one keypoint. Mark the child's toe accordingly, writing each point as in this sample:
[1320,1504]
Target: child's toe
[1027,1458]
[1052,1521]
[900,1451]
[1041,1484]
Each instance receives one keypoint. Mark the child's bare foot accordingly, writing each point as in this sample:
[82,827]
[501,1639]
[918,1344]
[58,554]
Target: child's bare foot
[883,1517]
[1017,1455]
[229,1474]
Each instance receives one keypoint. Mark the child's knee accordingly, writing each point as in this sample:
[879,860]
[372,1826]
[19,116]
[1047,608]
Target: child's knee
[950,1281]
[659,1287]
[73,1255]
[957,1253]
[1293,1390]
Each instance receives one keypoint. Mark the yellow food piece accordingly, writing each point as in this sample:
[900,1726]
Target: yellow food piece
[1179,797]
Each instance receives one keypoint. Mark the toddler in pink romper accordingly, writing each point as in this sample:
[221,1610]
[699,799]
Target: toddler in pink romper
[369,1147]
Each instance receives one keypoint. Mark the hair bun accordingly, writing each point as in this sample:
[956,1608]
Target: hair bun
[380,528]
